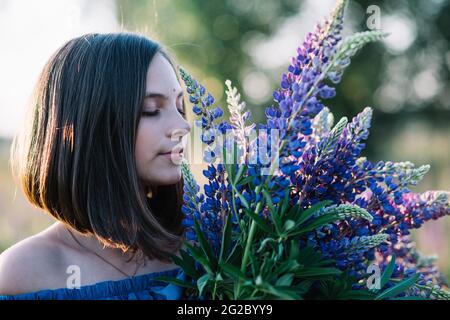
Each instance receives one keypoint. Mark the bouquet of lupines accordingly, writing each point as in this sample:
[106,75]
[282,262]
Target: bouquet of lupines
[295,211]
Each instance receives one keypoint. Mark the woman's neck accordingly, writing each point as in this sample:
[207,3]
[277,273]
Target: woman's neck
[91,244]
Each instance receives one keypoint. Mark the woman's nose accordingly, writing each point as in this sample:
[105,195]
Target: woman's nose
[179,129]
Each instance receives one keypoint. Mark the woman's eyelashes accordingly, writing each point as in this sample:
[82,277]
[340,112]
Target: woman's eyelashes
[150,113]
[161,104]
[156,112]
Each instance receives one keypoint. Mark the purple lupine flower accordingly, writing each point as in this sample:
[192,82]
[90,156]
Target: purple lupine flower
[300,94]
[209,208]
[339,175]
[191,200]
[303,83]
[217,205]
[203,108]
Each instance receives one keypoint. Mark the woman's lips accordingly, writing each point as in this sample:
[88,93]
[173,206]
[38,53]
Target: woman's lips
[172,155]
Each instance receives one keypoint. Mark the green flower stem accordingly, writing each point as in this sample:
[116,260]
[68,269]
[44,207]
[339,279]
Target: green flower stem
[253,227]
[252,231]
[233,195]
[214,290]
[247,246]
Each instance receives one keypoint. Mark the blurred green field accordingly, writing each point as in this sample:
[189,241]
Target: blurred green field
[18,219]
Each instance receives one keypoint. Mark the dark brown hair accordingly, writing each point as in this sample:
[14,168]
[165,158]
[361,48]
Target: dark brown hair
[74,157]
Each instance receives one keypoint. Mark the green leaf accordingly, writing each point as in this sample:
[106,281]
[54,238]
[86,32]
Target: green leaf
[280,250]
[264,243]
[285,202]
[356,295]
[288,225]
[298,290]
[316,223]
[305,215]
[288,266]
[283,293]
[398,288]
[309,256]
[236,254]
[175,281]
[230,168]
[186,265]
[314,272]
[260,222]
[241,197]
[233,271]
[226,237]
[267,266]
[245,181]
[187,257]
[200,257]
[409,298]
[202,282]
[276,219]
[204,245]
[294,250]
[239,174]
[267,197]
[293,212]
[285,280]
[303,286]
[387,274]
[254,265]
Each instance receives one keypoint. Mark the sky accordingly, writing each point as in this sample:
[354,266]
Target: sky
[30,31]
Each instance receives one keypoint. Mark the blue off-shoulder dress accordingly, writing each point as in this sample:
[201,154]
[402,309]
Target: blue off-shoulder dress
[142,287]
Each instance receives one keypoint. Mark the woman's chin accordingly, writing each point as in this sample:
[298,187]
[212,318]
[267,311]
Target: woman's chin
[169,179]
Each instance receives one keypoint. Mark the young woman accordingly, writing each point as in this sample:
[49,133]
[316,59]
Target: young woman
[101,152]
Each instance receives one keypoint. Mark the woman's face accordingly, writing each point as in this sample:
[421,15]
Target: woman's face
[162,128]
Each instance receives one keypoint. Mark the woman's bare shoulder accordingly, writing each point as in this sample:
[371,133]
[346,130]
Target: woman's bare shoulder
[30,265]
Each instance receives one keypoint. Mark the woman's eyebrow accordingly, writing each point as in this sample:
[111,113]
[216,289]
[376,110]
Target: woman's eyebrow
[160,95]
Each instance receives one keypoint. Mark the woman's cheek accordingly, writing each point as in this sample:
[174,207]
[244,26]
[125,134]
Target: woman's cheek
[150,138]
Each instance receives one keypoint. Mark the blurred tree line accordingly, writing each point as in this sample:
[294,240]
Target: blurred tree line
[211,38]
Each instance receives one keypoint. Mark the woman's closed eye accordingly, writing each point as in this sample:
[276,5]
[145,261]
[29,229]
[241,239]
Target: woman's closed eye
[161,103]
[150,113]
[156,112]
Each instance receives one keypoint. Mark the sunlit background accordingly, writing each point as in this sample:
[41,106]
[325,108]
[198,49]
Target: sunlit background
[406,78]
